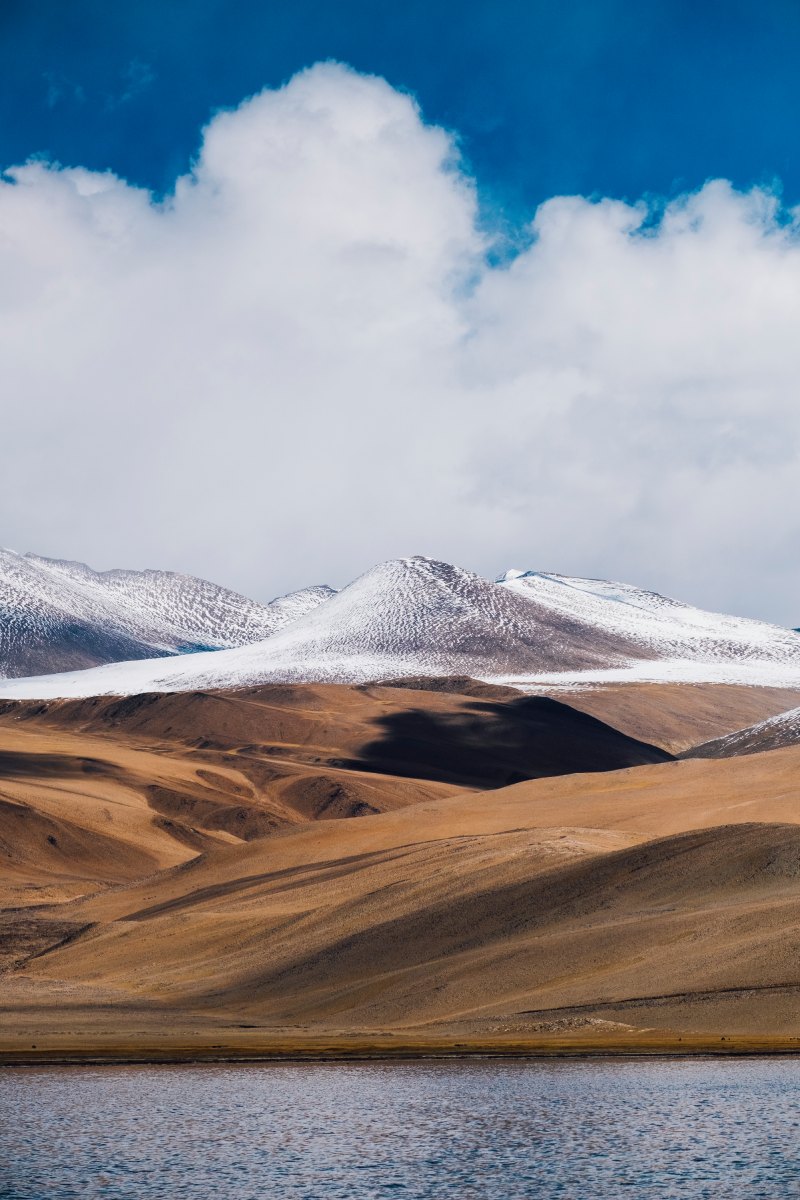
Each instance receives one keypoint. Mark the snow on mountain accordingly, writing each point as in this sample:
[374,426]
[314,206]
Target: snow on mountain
[772,734]
[292,606]
[417,616]
[680,638]
[57,615]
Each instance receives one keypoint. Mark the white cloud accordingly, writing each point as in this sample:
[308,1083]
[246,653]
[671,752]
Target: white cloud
[301,363]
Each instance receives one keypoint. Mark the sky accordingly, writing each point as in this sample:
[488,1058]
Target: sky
[286,289]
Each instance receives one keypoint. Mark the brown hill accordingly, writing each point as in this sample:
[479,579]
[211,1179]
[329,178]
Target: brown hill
[677,716]
[674,716]
[568,904]
[476,736]
[657,901]
[155,779]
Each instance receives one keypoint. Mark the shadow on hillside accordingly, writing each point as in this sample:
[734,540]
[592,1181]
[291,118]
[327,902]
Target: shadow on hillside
[25,765]
[489,745]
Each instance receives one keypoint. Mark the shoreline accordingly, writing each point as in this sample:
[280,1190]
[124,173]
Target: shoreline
[325,1050]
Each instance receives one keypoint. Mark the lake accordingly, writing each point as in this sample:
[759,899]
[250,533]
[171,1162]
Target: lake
[495,1130]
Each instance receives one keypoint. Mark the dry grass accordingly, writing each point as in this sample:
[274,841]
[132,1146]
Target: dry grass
[653,909]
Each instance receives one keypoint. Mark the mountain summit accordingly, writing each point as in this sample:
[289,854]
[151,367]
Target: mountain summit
[62,616]
[419,617]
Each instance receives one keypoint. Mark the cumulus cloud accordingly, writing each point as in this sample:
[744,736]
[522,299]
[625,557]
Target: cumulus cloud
[303,361]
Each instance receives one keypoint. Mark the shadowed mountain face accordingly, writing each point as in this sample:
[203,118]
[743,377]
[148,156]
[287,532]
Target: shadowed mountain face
[489,744]
[446,736]
[16,765]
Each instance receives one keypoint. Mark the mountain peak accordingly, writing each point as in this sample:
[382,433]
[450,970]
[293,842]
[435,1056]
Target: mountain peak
[61,615]
[406,617]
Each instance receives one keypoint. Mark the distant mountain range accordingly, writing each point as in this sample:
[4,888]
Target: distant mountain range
[62,616]
[404,618]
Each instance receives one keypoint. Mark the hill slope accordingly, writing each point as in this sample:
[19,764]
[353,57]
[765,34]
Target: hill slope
[775,733]
[102,791]
[661,898]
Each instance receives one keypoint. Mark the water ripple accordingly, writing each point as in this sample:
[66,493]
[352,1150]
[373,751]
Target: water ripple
[416,1131]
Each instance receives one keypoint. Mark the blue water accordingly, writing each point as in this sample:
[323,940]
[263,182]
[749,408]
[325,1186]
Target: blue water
[498,1131]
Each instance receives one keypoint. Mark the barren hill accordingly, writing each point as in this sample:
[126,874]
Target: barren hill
[103,790]
[659,900]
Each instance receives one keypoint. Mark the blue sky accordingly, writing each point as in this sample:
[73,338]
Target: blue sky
[609,97]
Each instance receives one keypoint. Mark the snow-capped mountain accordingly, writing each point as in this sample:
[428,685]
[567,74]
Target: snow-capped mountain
[659,629]
[59,616]
[416,616]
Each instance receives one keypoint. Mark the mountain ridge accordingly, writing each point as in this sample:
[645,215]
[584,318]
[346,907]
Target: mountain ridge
[60,615]
[421,617]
